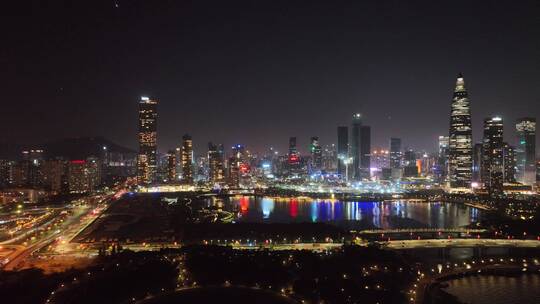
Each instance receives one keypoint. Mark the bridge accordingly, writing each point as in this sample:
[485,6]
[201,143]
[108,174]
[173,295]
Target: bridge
[464,243]
[420,230]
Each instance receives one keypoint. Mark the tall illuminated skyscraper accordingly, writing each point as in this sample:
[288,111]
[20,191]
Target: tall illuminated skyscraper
[355,145]
[493,155]
[171,166]
[460,138]
[215,163]
[316,153]
[442,159]
[293,157]
[395,153]
[146,161]
[187,159]
[237,165]
[509,160]
[526,150]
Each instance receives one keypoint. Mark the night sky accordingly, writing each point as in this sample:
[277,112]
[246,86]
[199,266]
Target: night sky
[257,72]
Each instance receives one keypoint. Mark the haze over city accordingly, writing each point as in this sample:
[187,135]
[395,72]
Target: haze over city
[256,73]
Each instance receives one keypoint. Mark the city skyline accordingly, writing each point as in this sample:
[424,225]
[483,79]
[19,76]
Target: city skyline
[248,151]
[322,88]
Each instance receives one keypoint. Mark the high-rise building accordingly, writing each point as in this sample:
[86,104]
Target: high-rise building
[171,166]
[187,159]
[237,165]
[441,168]
[460,138]
[492,159]
[355,149]
[410,168]
[316,154]
[55,175]
[84,175]
[215,163]
[526,150]
[365,151]
[5,172]
[294,159]
[342,149]
[380,162]
[380,158]
[329,158]
[509,163]
[395,153]
[147,158]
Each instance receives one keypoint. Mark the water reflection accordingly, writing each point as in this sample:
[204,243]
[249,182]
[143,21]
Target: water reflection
[388,214]
[489,289]
[267,207]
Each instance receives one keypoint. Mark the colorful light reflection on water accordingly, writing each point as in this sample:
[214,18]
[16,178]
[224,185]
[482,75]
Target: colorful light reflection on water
[387,214]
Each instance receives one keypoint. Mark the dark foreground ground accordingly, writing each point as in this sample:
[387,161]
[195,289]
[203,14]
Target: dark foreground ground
[211,295]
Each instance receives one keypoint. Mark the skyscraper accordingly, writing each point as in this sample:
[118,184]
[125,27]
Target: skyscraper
[237,164]
[395,153]
[355,145]
[316,154]
[410,168]
[342,149]
[365,151]
[84,175]
[526,150]
[492,159]
[5,172]
[293,157]
[441,168]
[171,166]
[187,159]
[55,175]
[460,138]
[215,163]
[146,161]
[509,163]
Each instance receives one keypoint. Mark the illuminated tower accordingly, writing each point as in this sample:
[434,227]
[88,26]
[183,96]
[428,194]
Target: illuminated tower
[395,153]
[493,155]
[460,138]
[316,154]
[509,160]
[237,165]
[526,150]
[171,166]
[187,159]
[215,163]
[355,145]
[442,159]
[146,161]
[293,157]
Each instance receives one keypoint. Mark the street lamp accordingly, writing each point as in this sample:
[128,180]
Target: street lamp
[346,161]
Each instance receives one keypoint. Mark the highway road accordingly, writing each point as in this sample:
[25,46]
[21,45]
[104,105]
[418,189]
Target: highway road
[62,234]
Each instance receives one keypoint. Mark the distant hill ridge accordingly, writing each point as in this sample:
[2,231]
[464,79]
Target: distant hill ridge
[67,148]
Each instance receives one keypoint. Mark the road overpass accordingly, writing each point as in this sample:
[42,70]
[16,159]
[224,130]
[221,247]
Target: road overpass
[420,230]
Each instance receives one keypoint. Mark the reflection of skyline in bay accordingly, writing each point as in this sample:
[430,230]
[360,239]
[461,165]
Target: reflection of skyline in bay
[387,214]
